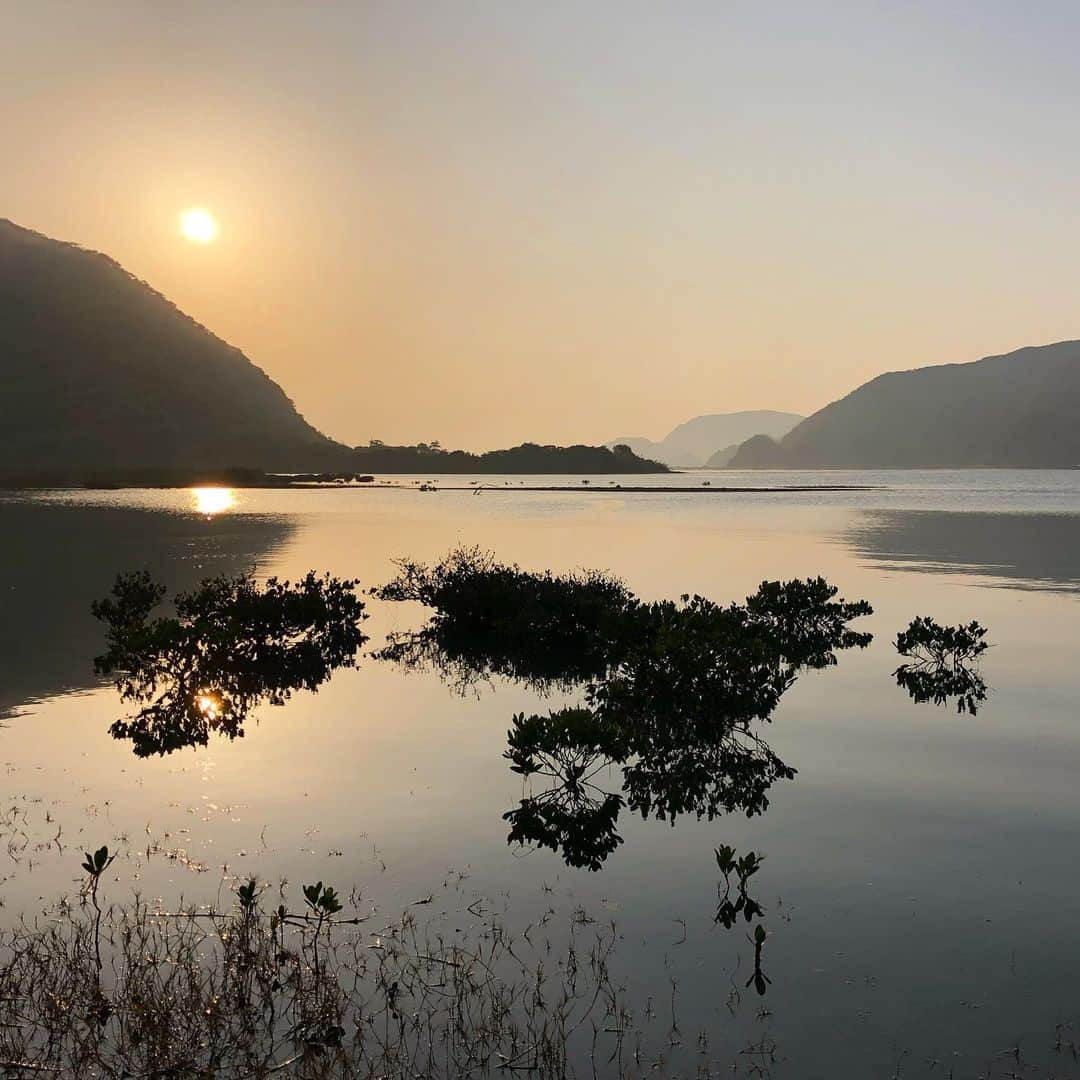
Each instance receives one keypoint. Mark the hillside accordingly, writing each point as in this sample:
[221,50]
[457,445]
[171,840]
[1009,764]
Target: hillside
[698,440]
[101,372]
[1017,410]
[722,458]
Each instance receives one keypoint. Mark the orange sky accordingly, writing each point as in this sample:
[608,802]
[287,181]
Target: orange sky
[484,222]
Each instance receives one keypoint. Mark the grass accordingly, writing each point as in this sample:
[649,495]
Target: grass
[111,990]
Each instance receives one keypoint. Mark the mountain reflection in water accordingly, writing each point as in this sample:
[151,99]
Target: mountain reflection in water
[1037,551]
[57,557]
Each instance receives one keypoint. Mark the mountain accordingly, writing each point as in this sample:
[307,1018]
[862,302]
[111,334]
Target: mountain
[100,372]
[695,442]
[722,458]
[1017,410]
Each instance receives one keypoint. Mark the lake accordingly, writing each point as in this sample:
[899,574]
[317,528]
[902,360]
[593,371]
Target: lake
[920,874]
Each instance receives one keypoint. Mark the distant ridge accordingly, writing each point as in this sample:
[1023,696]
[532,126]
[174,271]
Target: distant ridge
[700,440]
[1017,410]
[99,371]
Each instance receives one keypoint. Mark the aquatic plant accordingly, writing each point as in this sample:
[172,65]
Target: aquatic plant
[806,621]
[545,629]
[758,977]
[927,640]
[743,869]
[95,866]
[665,767]
[941,663]
[254,992]
[497,619]
[229,646]
[574,815]
[672,690]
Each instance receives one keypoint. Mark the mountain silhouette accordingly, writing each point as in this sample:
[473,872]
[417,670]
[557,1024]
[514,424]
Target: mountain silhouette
[1017,410]
[697,441]
[723,457]
[100,372]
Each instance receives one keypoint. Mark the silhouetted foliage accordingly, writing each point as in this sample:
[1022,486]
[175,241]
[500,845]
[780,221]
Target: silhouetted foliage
[742,869]
[806,620]
[230,646]
[574,816]
[671,690]
[680,735]
[493,619]
[666,771]
[758,977]
[941,663]
[526,458]
[924,639]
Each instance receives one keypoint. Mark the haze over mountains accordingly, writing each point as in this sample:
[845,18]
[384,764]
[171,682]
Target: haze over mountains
[99,373]
[699,440]
[1018,410]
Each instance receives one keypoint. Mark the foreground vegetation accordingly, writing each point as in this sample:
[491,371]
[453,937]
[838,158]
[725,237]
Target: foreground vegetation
[97,990]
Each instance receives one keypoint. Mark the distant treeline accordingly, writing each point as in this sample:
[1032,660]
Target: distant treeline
[365,461]
[526,458]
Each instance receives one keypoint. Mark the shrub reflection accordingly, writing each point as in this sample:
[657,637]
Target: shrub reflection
[941,663]
[230,646]
[673,692]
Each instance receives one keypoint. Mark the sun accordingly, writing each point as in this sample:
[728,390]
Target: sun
[198,225]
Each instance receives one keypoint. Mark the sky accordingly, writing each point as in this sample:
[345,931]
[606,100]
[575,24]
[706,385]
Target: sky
[489,222]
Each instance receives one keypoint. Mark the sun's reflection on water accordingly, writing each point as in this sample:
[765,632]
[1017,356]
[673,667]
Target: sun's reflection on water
[210,705]
[213,500]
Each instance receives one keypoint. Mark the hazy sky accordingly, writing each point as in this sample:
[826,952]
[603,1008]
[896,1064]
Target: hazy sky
[485,222]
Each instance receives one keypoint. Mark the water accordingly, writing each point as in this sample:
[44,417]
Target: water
[920,873]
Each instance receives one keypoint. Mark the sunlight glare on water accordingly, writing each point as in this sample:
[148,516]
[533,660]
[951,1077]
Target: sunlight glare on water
[209,704]
[213,500]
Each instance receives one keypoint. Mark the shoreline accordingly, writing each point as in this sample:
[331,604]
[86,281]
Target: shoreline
[429,487]
[589,489]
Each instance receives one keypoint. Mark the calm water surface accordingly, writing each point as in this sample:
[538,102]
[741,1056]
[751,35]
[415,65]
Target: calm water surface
[921,878]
